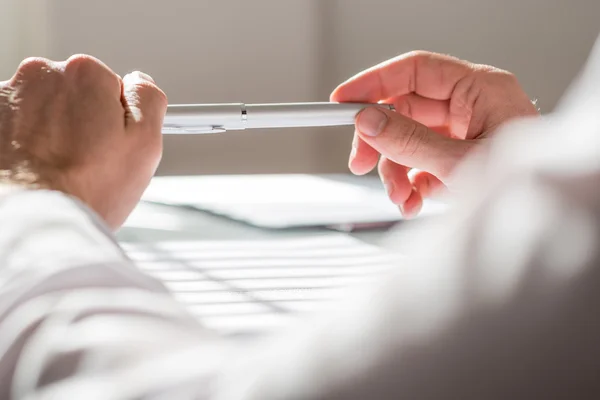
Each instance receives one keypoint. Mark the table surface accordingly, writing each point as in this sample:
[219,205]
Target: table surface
[241,319]
[162,223]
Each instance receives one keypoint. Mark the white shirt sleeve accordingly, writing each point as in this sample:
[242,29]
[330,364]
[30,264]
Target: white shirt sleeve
[71,303]
[496,301]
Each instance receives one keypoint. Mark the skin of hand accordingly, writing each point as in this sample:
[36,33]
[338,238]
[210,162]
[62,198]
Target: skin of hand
[445,108]
[77,127]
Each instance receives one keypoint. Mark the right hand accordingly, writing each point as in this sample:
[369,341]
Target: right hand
[446,107]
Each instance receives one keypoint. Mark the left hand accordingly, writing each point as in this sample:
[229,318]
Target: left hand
[75,126]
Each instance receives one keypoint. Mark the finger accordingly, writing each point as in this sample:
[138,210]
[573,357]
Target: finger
[91,74]
[145,104]
[410,143]
[30,69]
[363,158]
[395,180]
[427,74]
[433,113]
[412,206]
[427,184]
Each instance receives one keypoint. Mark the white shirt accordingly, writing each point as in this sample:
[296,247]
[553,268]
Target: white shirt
[499,300]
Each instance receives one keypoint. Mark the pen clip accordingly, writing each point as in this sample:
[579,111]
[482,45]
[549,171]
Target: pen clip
[192,130]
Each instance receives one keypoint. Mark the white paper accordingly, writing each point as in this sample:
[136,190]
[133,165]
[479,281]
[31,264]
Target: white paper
[279,201]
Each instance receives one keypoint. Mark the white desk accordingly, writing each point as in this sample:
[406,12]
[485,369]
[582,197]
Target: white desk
[175,223]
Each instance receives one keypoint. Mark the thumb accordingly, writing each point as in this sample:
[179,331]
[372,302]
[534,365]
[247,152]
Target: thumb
[144,102]
[409,143]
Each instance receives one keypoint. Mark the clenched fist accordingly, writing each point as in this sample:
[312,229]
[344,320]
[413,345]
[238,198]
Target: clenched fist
[77,127]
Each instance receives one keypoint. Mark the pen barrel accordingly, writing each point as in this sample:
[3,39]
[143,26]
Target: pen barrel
[202,118]
[304,114]
[214,118]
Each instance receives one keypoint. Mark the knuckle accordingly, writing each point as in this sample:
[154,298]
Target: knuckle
[38,75]
[466,94]
[142,76]
[88,68]
[409,138]
[34,66]
[495,76]
[509,78]
[424,57]
[82,61]
[419,58]
[81,64]
[148,90]
[487,85]
[419,54]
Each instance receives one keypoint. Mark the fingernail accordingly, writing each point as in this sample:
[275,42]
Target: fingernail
[371,121]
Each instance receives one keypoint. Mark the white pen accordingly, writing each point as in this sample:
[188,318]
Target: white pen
[215,118]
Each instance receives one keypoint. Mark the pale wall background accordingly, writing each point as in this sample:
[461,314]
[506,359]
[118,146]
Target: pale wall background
[294,50]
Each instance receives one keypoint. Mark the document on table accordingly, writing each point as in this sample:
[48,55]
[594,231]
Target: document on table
[280,201]
[255,286]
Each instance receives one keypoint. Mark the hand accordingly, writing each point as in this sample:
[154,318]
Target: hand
[77,127]
[445,108]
